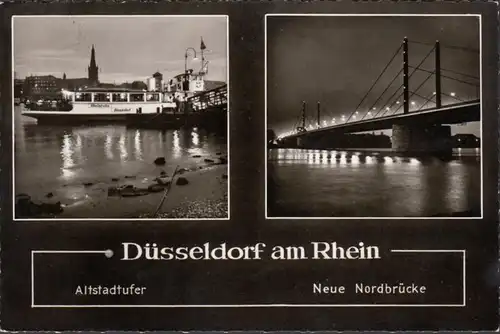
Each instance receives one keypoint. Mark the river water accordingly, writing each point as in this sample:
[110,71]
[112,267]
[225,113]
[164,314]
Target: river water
[368,183]
[52,158]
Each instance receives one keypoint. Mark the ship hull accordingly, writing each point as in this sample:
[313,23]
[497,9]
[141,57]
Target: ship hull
[50,117]
[211,119]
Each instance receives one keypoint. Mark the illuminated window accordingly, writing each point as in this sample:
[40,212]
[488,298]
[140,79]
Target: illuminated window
[83,97]
[153,97]
[119,97]
[137,97]
[102,97]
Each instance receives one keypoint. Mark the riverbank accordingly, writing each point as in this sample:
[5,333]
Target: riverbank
[197,191]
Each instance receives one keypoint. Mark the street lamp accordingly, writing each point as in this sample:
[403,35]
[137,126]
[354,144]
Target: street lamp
[186,57]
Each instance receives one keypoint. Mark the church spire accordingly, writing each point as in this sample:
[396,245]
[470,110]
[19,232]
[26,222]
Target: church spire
[93,69]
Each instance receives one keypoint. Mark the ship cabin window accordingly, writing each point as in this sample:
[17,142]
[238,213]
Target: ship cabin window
[168,98]
[83,97]
[120,97]
[102,97]
[139,97]
[152,97]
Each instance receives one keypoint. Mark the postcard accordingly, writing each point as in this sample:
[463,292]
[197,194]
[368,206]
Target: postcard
[239,166]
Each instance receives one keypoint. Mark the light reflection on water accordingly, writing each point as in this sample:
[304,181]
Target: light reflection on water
[47,158]
[308,183]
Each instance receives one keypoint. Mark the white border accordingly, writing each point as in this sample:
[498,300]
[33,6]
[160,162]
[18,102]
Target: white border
[122,219]
[463,304]
[375,15]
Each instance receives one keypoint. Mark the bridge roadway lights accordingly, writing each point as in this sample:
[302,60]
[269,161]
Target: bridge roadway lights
[422,139]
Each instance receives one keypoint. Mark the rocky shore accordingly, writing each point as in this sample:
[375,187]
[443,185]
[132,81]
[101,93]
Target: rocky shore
[195,191]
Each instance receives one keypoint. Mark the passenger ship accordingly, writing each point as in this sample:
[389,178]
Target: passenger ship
[102,105]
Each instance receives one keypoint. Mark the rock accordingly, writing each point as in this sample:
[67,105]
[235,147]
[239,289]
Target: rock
[224,176]
[222,160]
[49,195]
[130,176]
[88,184]
[182,170]
[127,191]
[115,179]
[196,156]
[181,181]
[165,181]
[200,167]
[163,173]
[155,188]
[160,161]
[23,205]
[218,153]
[23,197]
[113,191]
[134,192]
[50,209]
[208,160]
[116,191]
[25,208]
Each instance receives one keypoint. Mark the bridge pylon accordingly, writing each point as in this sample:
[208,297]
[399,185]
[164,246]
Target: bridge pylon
[437,53]
[406,90]
[302,126]
[319,114]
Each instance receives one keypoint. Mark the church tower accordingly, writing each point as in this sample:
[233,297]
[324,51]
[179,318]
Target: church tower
[93,69]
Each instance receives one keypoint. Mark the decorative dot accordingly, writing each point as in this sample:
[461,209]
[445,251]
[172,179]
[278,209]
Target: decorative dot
[108,253]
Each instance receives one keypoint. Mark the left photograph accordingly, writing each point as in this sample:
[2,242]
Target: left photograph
[120,117]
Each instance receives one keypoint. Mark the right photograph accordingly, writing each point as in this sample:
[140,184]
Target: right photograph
[373,116]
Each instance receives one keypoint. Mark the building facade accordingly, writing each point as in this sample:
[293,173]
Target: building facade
[41,85]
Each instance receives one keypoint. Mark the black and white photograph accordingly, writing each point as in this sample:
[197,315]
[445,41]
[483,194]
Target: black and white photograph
[120,117]
[373,116]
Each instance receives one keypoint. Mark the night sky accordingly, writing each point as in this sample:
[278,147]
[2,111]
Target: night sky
[127,48]
[336,59]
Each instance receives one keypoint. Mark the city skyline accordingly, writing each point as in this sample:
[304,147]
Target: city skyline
[62,45]
[335,59]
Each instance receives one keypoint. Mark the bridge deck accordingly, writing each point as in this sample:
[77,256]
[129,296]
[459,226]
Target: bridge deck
[450,114]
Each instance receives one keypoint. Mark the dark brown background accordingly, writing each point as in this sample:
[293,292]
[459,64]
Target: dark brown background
[247,224]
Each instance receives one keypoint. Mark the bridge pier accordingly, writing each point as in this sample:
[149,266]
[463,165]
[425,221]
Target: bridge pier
[422,139]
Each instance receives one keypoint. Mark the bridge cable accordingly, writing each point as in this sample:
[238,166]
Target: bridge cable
[462,48]
[394,102]
[374,83]
[411,74]
[385,90]
[395,92]
[399,96]
[413,93]
[428,100]
[453,97]
[448,77]
[460,73]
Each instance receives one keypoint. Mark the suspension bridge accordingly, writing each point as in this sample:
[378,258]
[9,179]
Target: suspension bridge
[420,120]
